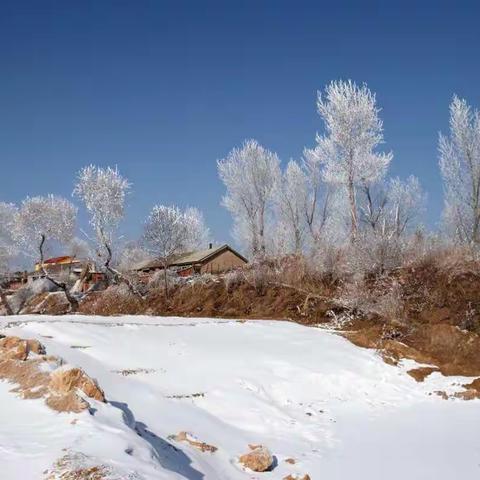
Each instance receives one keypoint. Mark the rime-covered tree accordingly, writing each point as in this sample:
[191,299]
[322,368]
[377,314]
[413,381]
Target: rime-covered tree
[392,208]
[131,256]
[250,174]
[7,246]
[405,205]
[317,197]
[170,231]
[291,197]
[353,131]
[460,168]
[103,192]
[41,221]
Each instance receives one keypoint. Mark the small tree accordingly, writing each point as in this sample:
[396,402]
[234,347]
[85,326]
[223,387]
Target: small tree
[7,246]
[170,231]
[40,221]
[460,169]
[353,131]
[103,192]
[250,174]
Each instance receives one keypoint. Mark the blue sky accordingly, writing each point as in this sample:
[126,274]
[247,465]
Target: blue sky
[164,89]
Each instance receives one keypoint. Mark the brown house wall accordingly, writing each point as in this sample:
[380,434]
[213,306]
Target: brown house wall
[222,262]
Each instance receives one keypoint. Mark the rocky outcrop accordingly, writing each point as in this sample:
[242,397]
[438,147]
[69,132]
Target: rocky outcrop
[24,362]
[259,459]
[51,303]
[64,381]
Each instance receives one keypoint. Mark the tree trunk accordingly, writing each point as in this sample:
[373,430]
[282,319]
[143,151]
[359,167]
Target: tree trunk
[353,210]
[118,275]
[63,286]
[4,300]
[165,279]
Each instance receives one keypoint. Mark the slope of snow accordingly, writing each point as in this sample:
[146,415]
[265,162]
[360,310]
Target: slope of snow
[305,393]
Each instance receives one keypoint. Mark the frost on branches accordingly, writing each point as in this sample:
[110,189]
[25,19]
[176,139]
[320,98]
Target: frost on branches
[250,174]
[41,221]
[353,131]
[291,198]
[103,192]
[170,231]
[460,168]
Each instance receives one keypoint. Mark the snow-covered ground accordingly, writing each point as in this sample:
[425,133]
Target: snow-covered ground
[305,393]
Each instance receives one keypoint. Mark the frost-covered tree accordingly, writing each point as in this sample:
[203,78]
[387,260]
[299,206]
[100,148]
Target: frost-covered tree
[7,246]
[405,205]
[170,231]
[373,200]
[291,197]
[250,174]
[131,256]
[460,168]
[392,208]
[41,221]
[103,192]
[317,197]
[353,131]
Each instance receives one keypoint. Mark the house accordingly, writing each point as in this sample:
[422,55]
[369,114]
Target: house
[64,267]
[215,259]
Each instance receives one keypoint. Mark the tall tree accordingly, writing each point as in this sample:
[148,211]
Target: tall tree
[353,130]
[40,221]
[250,174]
[170,231]
[7,246]
[103,192]
[460,169]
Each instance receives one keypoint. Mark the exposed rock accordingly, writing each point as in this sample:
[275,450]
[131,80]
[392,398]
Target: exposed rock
[68,402]
[297,477]
[421,373]
[65,381]
[187,437]
[291,461]
[14,348]
[258,460]
[53,303]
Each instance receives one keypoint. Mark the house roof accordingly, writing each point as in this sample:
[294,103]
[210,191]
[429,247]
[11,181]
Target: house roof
[190,258]
[64,259]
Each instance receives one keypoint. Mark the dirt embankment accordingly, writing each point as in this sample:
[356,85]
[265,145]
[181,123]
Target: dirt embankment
[213,300]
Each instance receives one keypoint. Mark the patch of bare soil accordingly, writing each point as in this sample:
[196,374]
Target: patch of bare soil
[38,375]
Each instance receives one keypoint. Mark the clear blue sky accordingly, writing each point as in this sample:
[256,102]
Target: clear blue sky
[164,89]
